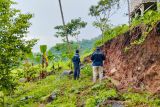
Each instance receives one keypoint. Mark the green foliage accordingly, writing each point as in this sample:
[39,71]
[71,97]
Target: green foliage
[150,18]
[91,102]
[135,98]
[71,28]
[87,70]
[71,93]
[43,48]
[141,99]
[60,50]
[31,71]
[112,33]
[102,12]
[103,8]
[147,22]
[101,96]
[14,27]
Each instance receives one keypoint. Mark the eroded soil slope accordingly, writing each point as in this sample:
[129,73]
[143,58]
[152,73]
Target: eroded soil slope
[136,66]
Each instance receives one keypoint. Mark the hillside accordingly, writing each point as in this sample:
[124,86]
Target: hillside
[134,60]
[132,70]
[63,91]
[134,64]
[63,77]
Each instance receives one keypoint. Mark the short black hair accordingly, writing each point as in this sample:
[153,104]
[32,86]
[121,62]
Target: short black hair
[97,48]
[77,51]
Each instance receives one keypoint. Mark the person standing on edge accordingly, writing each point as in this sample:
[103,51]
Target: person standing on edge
[97,62]
[76,61]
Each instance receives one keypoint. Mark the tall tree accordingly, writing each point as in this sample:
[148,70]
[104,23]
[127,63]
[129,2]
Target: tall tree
[102,12]
[72,28]
[13,28]
[67,39]
[129,13]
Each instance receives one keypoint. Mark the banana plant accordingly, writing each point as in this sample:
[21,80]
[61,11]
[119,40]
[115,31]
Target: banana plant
[43,49]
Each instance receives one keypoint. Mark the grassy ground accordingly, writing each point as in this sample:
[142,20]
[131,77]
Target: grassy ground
[73,93]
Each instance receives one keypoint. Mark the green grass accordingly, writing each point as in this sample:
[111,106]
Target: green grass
[148,21]
[112,33]
[71,93]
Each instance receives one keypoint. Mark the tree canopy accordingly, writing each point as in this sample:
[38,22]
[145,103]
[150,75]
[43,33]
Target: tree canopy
[71,28]
[102,12]
[13,28]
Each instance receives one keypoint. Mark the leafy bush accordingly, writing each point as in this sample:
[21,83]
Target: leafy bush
[87,70]
[31,71]
[149,20]
[91,102]
[100,97]
[112,33]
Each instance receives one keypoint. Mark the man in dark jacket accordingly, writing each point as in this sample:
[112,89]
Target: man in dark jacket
[97,62]
[76,62]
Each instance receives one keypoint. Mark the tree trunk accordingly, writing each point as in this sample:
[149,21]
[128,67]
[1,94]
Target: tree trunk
[129,15]
[68,44]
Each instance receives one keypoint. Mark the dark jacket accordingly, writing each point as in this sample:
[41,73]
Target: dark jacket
[76,60]
[97,58]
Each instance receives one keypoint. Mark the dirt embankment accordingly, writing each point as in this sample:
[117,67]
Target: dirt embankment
[138,66]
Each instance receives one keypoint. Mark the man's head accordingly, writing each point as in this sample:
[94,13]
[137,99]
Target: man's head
[77,51]
[97,49]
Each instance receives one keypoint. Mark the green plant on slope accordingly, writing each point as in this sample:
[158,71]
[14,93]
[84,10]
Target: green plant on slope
[136,99]
[91,102]
[43,49]
[72,93]
[30,72]
[102,96]
[147,22]
[87,70]
[14,27]
[112,33]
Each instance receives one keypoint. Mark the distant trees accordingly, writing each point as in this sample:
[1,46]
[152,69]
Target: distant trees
[102,12]
[13,28]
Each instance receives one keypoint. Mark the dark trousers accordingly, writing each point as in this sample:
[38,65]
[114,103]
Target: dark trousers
[76,72]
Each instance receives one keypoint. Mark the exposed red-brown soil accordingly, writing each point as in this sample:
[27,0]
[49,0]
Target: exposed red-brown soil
[139,66]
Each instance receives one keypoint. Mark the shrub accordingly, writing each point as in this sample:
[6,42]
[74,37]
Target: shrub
[87,70]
